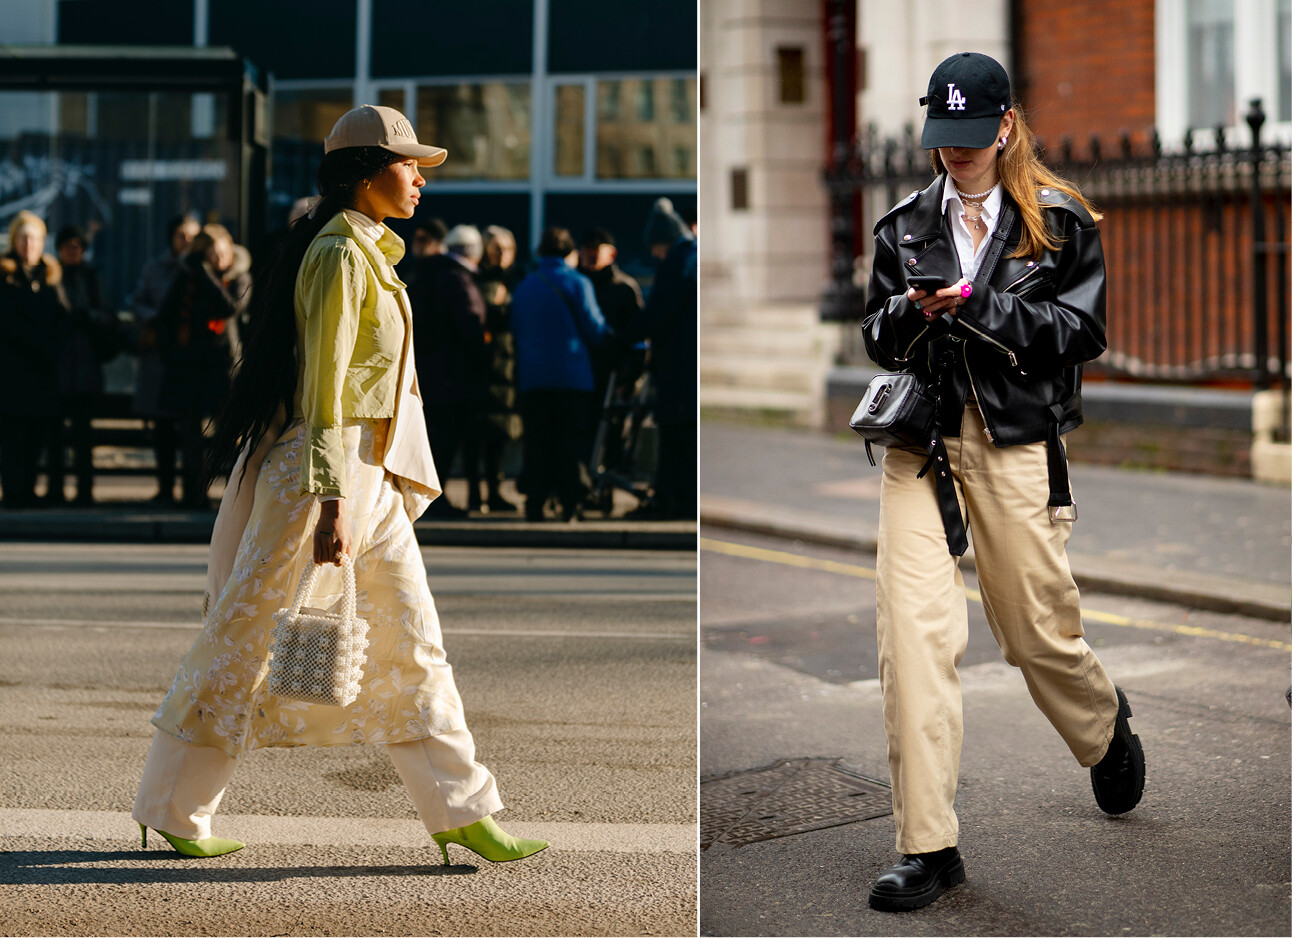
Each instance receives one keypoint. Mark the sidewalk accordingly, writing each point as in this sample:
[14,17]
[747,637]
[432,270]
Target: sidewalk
[123,513]
[1200,541]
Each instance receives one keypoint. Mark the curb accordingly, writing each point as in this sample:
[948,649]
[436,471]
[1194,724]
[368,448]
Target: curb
[1186,588]
[179,527]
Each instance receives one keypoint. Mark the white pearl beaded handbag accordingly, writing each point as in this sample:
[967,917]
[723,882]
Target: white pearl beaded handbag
[318,656]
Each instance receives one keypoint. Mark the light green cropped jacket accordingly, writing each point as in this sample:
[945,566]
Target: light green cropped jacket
[354,345]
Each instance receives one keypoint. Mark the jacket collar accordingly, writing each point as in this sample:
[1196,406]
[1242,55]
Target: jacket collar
[926,215]
[383,252]
[925,218]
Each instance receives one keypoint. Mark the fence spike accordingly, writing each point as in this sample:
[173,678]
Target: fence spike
[1255,118]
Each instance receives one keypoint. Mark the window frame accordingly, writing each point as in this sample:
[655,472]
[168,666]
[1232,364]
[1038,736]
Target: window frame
[1255,74]
[545,137]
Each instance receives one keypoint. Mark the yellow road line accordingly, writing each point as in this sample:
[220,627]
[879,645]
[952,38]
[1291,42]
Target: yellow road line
[867,573]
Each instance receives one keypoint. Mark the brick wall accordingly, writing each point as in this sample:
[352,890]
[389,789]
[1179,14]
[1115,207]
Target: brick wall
[1086,68]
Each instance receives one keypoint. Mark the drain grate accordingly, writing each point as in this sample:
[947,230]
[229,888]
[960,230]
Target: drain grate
[791,796]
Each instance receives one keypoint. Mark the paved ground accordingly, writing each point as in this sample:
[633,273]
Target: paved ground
[577,669]
[1213,543]
[788,673]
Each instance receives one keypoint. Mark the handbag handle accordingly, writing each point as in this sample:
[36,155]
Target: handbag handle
[349,599]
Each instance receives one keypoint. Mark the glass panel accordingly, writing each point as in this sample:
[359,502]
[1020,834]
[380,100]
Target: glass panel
[309,115]
[484,127]
[569,129]
[118,165]
[1211,63]
[392,97]
[1285,60]
[645,141]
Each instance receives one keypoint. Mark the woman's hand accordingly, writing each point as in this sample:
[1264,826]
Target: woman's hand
[943,301]
[332,533]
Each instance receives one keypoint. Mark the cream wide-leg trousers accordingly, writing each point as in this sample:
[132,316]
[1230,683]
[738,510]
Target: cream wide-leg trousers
[182,784]
[1032,607]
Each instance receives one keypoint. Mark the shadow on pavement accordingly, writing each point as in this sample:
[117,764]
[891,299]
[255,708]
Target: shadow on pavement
[37,867]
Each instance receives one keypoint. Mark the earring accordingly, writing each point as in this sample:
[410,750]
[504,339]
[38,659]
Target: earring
[367,183]
[1003,140]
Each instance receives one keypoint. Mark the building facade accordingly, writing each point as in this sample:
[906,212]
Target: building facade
[562,112]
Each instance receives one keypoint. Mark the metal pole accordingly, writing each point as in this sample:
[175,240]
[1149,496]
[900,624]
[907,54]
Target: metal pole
[1260,309]
[539,150]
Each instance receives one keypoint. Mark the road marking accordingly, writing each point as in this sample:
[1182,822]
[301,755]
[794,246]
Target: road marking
[522,633]
[254,829]
[785,558]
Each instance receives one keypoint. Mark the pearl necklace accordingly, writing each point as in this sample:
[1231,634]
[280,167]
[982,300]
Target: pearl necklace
[977,196]
[976,200]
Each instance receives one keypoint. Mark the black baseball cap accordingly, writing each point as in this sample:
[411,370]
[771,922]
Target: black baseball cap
[968,94]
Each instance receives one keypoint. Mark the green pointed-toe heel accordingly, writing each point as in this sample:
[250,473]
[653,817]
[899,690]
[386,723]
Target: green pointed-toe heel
[206,847]
[489,840]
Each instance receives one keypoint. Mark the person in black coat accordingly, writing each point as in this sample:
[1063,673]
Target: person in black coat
[620,299]
[196,336]
[452,358]
[33,317]
[89,342]
[500,420]
[670,321]
[1008,305]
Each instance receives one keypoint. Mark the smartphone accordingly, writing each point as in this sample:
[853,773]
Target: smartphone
[927,284]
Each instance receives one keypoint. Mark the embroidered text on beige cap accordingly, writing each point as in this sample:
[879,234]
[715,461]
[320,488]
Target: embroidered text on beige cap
[377,126]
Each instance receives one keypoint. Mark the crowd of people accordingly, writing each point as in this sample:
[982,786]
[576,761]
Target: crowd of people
[503,354]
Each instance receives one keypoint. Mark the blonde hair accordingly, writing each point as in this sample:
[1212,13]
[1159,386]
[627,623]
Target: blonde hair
[26,219]
[205,239]
[1023,175]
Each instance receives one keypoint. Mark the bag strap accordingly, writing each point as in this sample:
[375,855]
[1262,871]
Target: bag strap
[1004,227]
[349,597]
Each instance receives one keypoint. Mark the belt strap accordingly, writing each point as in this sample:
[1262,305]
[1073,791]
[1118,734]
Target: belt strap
[1061,505]
[948,506]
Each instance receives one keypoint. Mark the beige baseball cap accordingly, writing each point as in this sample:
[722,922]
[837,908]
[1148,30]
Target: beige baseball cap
[372,125]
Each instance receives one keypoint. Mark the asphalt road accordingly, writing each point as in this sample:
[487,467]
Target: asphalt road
[788,672]
[578,673]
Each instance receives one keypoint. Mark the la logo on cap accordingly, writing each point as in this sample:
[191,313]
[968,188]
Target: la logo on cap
[402,128]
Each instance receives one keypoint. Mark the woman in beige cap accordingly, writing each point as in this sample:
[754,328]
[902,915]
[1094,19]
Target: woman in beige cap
[332,465]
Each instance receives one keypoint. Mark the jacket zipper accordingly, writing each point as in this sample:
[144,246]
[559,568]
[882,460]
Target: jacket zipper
[1013,359]
[909,348]
[986,421]
[1031,273]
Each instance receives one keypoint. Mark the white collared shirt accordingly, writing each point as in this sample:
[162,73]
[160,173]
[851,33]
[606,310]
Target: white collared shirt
[370,227]
[970,260]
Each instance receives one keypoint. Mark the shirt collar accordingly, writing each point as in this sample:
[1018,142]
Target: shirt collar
[990,206]
[390,244]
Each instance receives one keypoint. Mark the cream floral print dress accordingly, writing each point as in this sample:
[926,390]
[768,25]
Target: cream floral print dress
[219,696]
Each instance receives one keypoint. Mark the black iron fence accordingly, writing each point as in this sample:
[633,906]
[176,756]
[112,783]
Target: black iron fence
[1196,244]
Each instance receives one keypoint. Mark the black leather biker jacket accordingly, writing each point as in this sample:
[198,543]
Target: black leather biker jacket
[1019,340]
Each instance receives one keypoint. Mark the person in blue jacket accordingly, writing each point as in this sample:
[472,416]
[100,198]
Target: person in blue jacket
[555,319]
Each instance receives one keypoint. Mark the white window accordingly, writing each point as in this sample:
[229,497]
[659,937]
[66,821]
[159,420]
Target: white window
[1213,58]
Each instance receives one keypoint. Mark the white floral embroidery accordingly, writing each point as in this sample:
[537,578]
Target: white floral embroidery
[218,697]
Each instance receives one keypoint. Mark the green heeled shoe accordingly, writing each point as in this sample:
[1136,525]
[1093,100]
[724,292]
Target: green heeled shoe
[489,840]
[206,847]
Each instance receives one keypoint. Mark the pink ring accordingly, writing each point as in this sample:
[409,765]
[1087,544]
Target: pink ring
[966,291]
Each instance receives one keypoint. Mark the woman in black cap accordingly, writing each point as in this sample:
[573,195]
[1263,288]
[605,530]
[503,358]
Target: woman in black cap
[1009,304]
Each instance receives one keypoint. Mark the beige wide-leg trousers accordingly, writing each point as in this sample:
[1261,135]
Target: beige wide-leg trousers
[1032,607]
[182,784]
